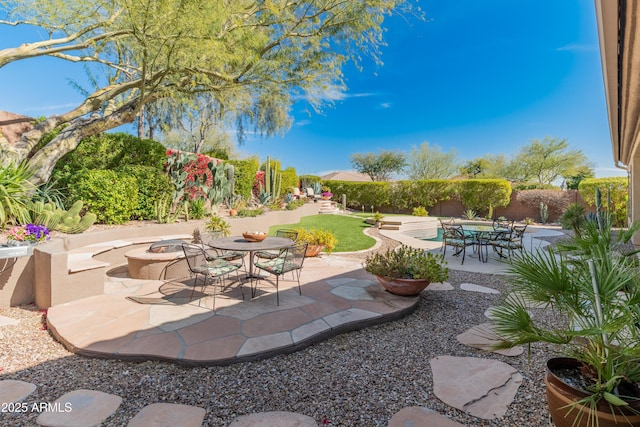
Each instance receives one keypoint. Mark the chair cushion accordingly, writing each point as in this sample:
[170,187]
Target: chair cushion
[268,254]
[216,268]
[277,266]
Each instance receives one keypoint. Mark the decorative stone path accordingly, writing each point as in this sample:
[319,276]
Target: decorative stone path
[477,288]
[415,416]
[80,408]
[481,387]
[14,391]
[483,337]
[276,418]
[168,415]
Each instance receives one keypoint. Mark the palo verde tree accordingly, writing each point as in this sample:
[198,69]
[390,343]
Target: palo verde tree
[545,161]
[430,162]
[379,166]
[252,57]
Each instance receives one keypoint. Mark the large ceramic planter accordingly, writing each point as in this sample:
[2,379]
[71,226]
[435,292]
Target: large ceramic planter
[560,395]
[313,250]
[403,287]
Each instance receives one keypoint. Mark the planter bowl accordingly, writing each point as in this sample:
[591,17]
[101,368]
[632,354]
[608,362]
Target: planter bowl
[560,395]
[313,250]
[254,237]
[403,287]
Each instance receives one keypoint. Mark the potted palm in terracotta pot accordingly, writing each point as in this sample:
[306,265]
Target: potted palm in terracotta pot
[406,271]
[593,288]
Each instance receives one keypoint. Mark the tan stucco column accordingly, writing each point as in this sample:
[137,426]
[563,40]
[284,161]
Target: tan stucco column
[634,196]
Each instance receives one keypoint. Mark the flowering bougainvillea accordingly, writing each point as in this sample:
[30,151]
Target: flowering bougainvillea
[198,173]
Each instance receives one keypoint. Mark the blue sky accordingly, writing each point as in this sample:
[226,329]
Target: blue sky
[479,76]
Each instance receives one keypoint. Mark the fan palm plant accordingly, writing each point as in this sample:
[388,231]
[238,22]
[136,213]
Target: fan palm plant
[594,287]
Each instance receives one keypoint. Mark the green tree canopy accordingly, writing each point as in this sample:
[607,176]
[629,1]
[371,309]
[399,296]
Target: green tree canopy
[253,57]
[547,160]
[380,166]
[430,162]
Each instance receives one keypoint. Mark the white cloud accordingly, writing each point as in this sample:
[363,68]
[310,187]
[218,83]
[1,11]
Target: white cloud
[50,108]
[302,122]
[384,105]
[575,47]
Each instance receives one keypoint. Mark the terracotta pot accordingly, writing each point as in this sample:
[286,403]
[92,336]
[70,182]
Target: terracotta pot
[233,212]
[313,250]
[560,395]
[403,287]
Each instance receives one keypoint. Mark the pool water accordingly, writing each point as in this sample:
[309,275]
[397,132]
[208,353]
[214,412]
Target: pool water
[438,238]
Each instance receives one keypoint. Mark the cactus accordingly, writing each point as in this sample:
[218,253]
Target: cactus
[162,210]
[272,181]
[175,166]
[72,223]
[544,213]
[47,214]
[221,186]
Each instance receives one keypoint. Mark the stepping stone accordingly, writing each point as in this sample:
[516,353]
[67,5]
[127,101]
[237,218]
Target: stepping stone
[276,418]
[14,391]
[483,337]
[481,387]
[477,288]
[86,408]
[7,321]
[414,416]
[444,286]
[168,415]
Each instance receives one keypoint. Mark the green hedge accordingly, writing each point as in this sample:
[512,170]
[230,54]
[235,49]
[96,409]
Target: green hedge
[152,185]
[109,151]
[476,194]
[615,189]
[112,196]
[359,194]
[244,174]
[479,194]
[423,193]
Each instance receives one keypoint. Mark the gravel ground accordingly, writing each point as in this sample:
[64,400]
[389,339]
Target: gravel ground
[359,378]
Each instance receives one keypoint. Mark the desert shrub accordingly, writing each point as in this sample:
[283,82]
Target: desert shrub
[244,172]
[152,184]
[555,200]
[250,212]
[420,211]
[573,217]
[295,204]
[615,196]
[112,196]
[289,180]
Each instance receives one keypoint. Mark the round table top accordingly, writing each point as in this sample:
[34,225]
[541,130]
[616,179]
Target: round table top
[238,243]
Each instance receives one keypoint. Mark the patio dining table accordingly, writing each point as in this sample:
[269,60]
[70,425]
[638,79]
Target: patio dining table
[239,243]
[484,235]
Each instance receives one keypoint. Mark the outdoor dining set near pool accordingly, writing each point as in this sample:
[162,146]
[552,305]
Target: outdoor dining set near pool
[503,237]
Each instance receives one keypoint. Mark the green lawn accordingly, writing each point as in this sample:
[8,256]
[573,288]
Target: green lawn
[348,230]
